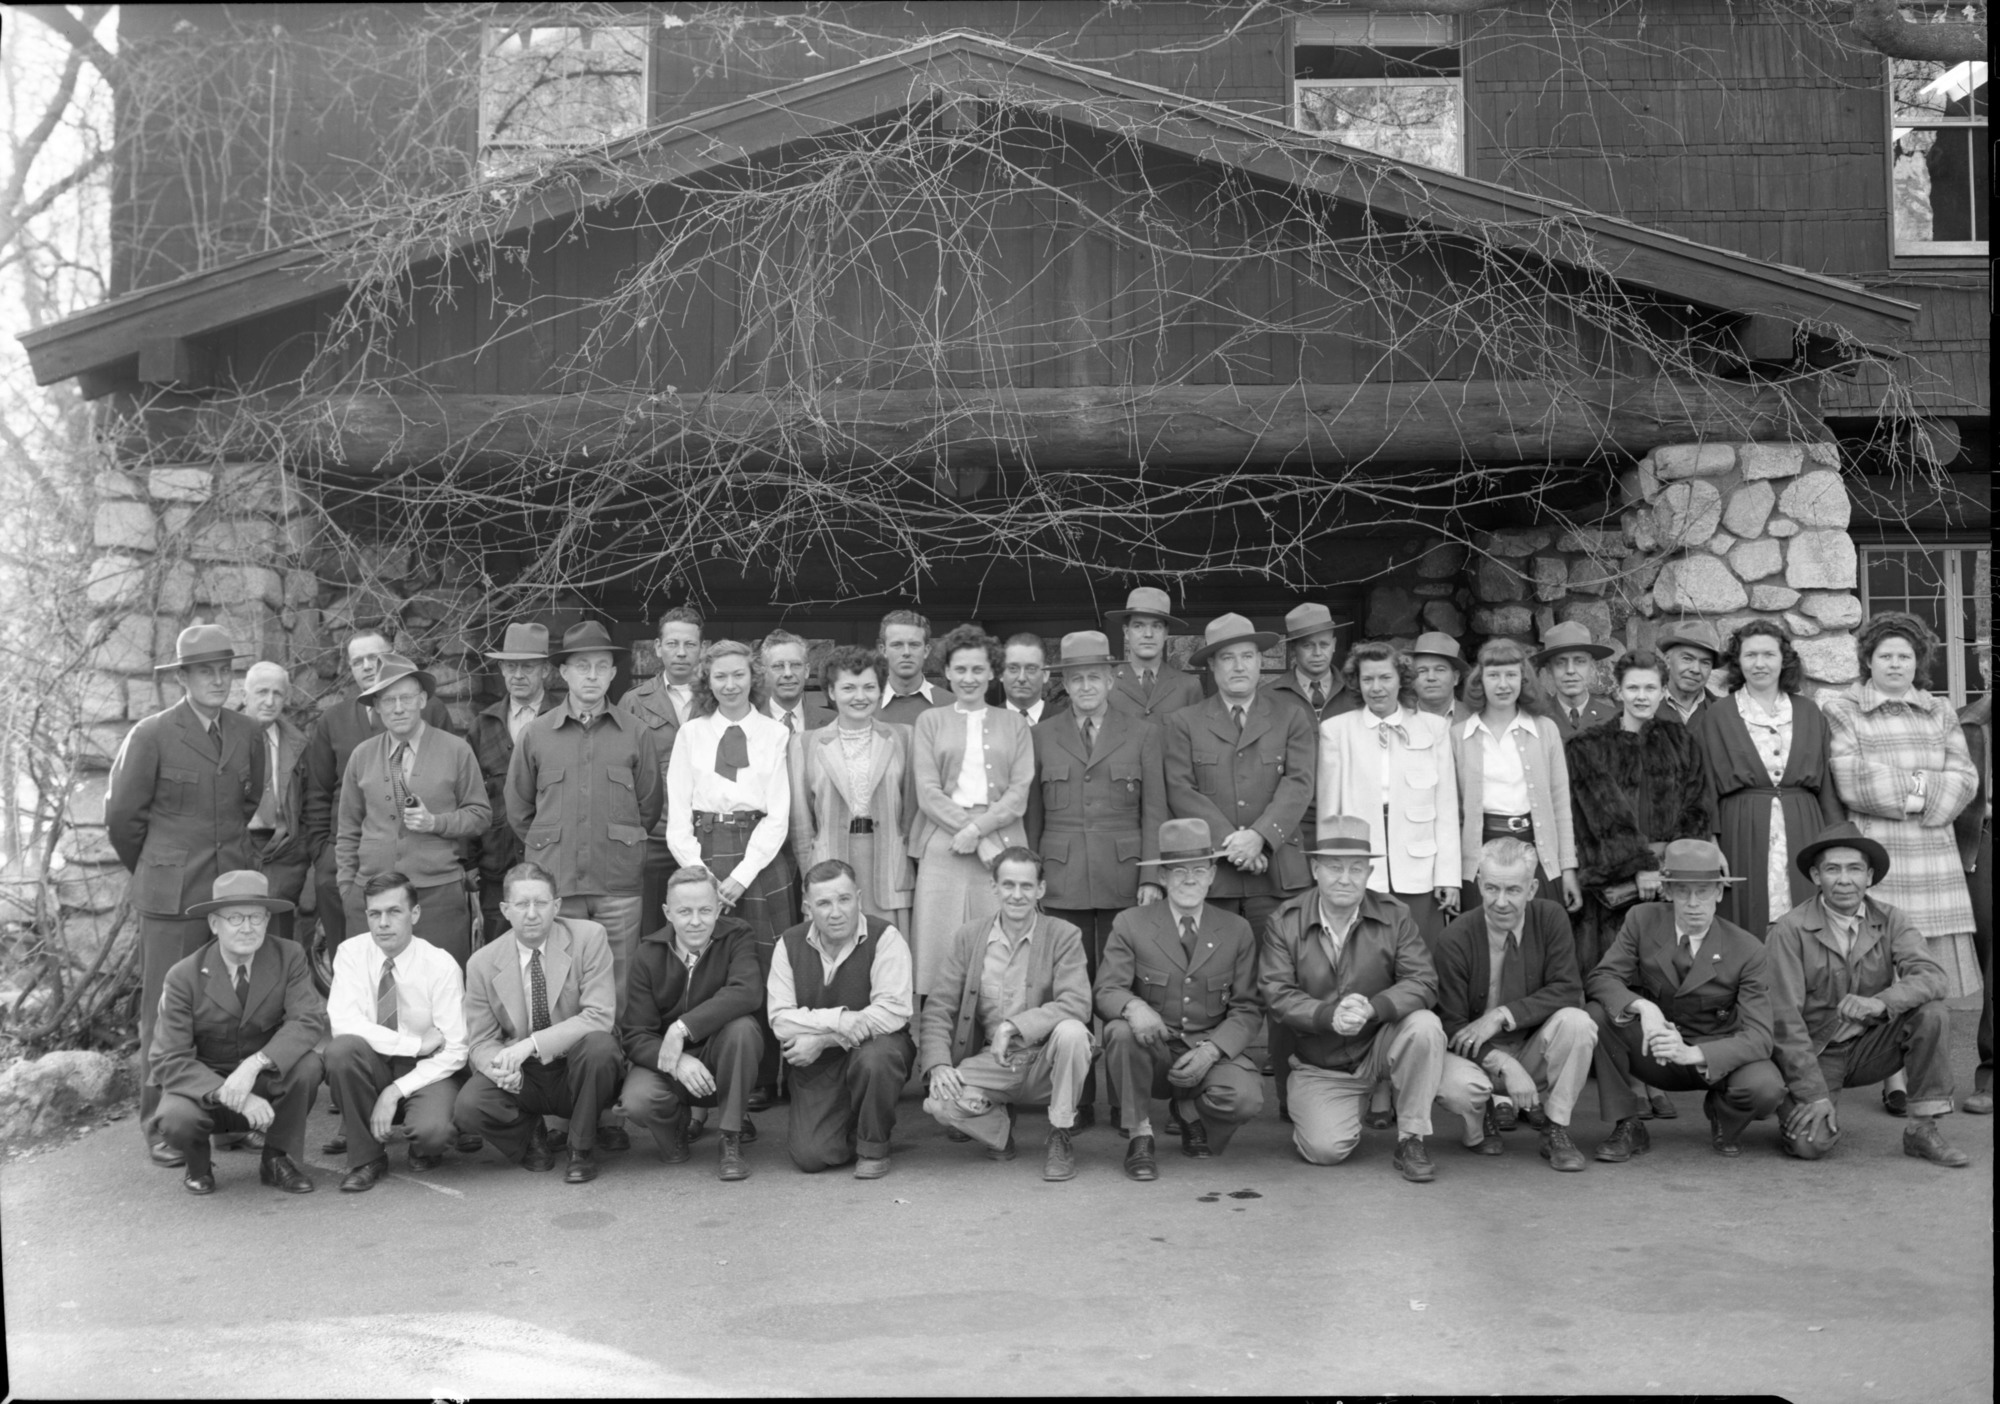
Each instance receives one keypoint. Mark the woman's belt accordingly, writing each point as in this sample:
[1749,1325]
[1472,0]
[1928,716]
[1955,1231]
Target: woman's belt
[706,821]
[861,826]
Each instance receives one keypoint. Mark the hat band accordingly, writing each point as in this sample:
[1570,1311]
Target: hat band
[1694,875]
[1343,845]
[1184,855]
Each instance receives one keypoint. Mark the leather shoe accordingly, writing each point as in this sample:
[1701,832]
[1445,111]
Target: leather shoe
[582,1167]
[1140,1163]
[748,1134]
[166,1156]
[1720,1143]
[612,1136]
[1489,1142]
[1659,1105]
[1559,1150]
[469,1144]
[729,1157]
[1627,1139]
[278,1172]
[1502,1115]
[1174,1126]
[365,1177]
[1895,1101]
[1923,1140]
[200,1181]
[673,1147]
[870,1167]
[952,1133]
[1980,1103]
[1005,1152]
[1060,1163]
[1378,1120]
[1194,1139]
[334,1145]
[421,1163]
[1414,1162]
[1086,1117]
[540,1155]
[760,1099]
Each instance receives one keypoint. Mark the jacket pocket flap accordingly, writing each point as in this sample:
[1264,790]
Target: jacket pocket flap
[1423,814]
[1056,770]
[1422,848]
[625,833]
[1055,847]
[619,775]
[1125,773]
[165,856]
[1206,757]
[1219,983]
[185,776]
[539,837]
[1129,846]
[549,775]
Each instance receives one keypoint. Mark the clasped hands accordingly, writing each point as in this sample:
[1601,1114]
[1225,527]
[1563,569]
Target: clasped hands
[1150,1031]
[1663,1041]
[504,1067]
[803,1049]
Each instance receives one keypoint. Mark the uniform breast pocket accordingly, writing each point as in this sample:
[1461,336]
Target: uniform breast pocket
[624,792]
[1055,787]
[176,791]
[1125,785]
[1215,996]
[162,869]
[1271,756]
[1206,764]
[544,837]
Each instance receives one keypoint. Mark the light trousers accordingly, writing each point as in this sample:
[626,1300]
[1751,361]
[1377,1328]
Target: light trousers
[1054,1072]
[1556,1055]
[1327,1105]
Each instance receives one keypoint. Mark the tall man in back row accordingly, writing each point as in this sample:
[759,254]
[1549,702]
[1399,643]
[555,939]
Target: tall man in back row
[661,704]
[904,639]
[523,657]
[1146,685]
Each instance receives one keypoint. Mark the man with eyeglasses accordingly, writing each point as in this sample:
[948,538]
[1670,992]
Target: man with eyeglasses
[1178,992]
[1024,671]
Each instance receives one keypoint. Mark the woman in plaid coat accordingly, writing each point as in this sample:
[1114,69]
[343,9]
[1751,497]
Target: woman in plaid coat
[1902,768]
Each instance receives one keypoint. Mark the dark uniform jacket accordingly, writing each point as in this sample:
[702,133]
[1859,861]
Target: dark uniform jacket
[1260,779]
[1384,959]
[340,729]
[203,1032]
[1211,996]
[1597,710]
[1093,817]
[1172,690]
[1724,1004]
[723,985]
[499,848]
[1464,962]
[652,708]
[1339,698]
[180,804]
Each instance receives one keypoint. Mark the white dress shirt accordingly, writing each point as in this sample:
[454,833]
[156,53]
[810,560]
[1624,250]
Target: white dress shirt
[430,996]
[1506,782]
[764,785]
[970,788]
[889,1000]
[1034,710]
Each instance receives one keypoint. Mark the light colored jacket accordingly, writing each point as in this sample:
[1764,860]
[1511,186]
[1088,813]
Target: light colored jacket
[1547,772]
[576,962]
[1058,988]
[822,809]
[1422,842]
[938,749]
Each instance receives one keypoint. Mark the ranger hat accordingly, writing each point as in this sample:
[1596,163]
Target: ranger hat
[1693,860]
[1147,599]
[1229,629]
[524,643]
[200,643]
[241,888]
[1303,621]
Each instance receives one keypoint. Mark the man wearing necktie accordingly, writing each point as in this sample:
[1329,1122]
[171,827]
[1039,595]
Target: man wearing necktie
[523,657]
[1023,672]
[784,658]
[1511,1003]
[1682,1000]
[397,1006]
[539,1012]
[1571,656]
[1178,992]
[275,830]
[1146,685]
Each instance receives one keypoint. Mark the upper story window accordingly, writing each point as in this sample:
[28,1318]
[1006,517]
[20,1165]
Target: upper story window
[547,88]
[1938,174]
[1391,84]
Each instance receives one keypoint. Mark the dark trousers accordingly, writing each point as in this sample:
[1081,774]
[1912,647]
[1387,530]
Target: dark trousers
[1095,924]
[844,1102]
[357,1074]
[1230,1095]
[577,1085]
[329,906]
[1981,884]
[185,1124]
[1917,1041]
[654,870]
[1750,1093]
[656,1101]
[1278,1042]
[162,942]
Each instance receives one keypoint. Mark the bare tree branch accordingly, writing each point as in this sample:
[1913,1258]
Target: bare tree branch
[1880,25]
[80,31]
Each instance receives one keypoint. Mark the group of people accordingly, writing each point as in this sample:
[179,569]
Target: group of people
[1428,882]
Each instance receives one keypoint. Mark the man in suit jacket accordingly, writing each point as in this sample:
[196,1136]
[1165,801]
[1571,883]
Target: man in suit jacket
[539,1014]
[1512,1008]
[661,704]
[1682,1000]
[1024,672]
[1013,988]
[1146,685]
[523,657]
[1250,779]
[184,787]
[276,829]
[1312,680]
[784,659]
[233,1046]
[689,1023]
[1570,655]
[1178,992]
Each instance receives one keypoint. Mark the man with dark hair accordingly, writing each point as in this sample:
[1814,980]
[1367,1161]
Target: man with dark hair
[839,1002]
[904,639]
[1146,685]
[661,704]
[783,657]
[276,829]
[1691,650]
[397,1008]
[1007,1021]
[523,657]
[1571,657]
[1024,669]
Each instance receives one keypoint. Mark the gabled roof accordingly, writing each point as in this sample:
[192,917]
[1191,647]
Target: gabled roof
[972,66]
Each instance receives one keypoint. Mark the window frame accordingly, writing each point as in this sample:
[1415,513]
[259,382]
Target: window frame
[1960,652]
[1936,248]
[1456,39]
[492,35]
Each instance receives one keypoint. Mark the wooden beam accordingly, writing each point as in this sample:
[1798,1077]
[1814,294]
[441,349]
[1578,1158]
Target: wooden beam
[173,361]
[1763,338]
[1202,427]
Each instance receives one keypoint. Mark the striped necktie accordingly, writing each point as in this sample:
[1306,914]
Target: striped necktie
[385,995]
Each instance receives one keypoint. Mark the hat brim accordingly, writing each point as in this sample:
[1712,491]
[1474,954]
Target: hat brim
[1179,859]
[215,656]
[1119,616]
[1060,664]
[1340,853]
[1331,628]
[517,657]
[556,653]
[1458,663]
[1714,651]
[425,680]
[1667,877]
[1595,650]
[1263,638]
[1875,853]
[269,904]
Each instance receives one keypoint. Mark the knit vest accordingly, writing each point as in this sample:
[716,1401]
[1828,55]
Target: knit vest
[852,986]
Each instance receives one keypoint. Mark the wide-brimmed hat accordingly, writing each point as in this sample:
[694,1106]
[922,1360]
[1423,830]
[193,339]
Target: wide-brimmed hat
[1694,633]
[1570,637]
[1342,836]
[524,643]
[1227,630]
[200,643]
[1844,835]
[1183,841]
[1086,648]
[1441,646]
[1693,860]
[395,668]
[588,637]
[1303,621]
[241,888]
[1147,599]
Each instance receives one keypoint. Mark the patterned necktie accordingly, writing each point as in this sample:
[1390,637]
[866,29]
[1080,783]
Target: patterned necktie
[267,808]
[790,725]
[732,753]
[399,765]
[385,995]
[1318,697]
[1187,936]
[1576,718]
[243,987]
[1026,713]
[538,1001]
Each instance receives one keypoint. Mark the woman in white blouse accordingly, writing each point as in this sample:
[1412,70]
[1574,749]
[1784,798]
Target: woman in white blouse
[1513,780]
[854,795]
[729,809]
[974,765]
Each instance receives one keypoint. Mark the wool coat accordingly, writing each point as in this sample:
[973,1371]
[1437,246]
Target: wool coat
[1172,690]
[204,1031]
[1259,778]
[822,809]
[1210,995]
[1093,816]
[180,803]
[1724,1001]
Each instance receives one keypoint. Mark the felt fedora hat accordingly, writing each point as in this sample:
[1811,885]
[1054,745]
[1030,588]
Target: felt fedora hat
[1844,835]
[1183,841]
[1086,648]
[241,888]
[523,643]
[1693,860]
[1441,646]
[200,643]
[1147,599]
[1692,633]
[587,637]
[1342,836]
[1229,629]
[1570,637]
[395,667]
[1303,621]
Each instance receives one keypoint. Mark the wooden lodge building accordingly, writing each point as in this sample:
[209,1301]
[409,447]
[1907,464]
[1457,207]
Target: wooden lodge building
[1449,323]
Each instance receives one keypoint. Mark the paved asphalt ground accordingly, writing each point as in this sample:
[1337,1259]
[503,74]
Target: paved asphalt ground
[1867,1277]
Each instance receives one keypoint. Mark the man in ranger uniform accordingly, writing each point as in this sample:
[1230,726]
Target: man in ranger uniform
[1146,685]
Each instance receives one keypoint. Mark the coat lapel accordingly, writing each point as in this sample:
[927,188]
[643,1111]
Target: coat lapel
[1069,738]
[1710,960]
[513,999]
[1657,952]
[220,988]
[1256,720]
[267,977]
[556,957]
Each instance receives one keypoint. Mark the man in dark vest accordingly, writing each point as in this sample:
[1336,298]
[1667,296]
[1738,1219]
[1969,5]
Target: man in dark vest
[839,999]
[183,790]
[523,657]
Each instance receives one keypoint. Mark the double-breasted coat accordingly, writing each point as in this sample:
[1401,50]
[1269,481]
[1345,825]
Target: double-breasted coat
[1259,778]
[1093,815]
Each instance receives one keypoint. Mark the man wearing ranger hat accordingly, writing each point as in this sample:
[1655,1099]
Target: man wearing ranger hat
[1178,991]
[184,787]
[523,657]
[1857,996]
[1146,685]
[1439,669]
[1312,680]
[1691,649]
[1571,657]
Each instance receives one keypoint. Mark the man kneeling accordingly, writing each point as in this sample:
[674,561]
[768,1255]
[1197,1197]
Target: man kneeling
[690,1022]
[397,1005]
[839,1000]
[1512,1009]
[1857,996]
[1018,982]
[1178,985]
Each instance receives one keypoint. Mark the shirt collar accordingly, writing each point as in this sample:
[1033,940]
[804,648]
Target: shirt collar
[923,689]
[1395,718]
[1870,697]
[999,932]
[1305,683]
[1849,924]
[1477,723]
[607,712]
[1691,937]
[817,940]
[534,704]
[1324,919]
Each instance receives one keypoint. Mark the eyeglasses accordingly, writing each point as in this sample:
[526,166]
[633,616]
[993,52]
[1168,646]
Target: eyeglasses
[238,921]
[1191,874]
